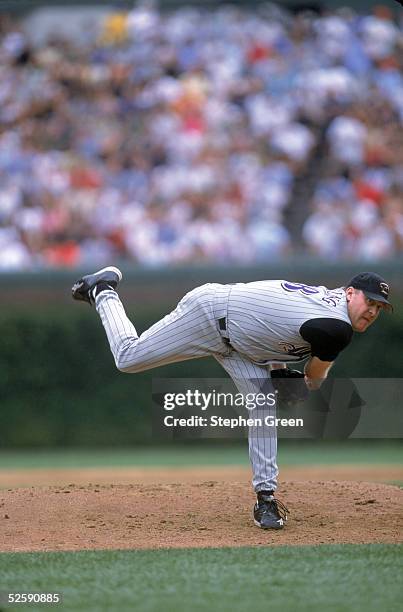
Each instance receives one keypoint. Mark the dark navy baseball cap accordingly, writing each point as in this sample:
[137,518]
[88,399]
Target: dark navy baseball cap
[373,286]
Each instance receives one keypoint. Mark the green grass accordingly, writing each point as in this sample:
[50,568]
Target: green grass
[298,452]
[123,457]
[312,579]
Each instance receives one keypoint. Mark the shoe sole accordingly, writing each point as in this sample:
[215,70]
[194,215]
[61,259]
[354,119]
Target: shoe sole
[96,275]
[261,526]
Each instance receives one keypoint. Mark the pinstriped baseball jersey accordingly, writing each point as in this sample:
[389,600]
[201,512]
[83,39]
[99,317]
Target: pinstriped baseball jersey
[264,318]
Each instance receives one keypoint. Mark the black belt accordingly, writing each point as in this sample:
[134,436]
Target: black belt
[222,324]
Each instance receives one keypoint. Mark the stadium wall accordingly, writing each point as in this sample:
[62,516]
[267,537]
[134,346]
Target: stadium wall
[364,6]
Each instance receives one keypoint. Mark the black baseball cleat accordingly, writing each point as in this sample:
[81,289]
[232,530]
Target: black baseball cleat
[107,278]
[269,513]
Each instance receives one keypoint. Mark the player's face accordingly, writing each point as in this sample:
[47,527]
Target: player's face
[362,310]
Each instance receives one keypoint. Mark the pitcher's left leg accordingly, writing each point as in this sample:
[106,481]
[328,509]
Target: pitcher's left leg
[250,378]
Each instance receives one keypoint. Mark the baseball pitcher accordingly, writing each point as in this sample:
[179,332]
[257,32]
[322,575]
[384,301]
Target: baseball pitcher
[253,330]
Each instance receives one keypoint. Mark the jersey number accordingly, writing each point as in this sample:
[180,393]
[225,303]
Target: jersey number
[331,298]
[305,289]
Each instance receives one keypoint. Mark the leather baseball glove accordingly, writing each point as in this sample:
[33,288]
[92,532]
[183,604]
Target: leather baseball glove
[290,386]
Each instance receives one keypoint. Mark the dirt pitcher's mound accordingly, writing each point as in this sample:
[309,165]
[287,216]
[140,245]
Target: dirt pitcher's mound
[194,515]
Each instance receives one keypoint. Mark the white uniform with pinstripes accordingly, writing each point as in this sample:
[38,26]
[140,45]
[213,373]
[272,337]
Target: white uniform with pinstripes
[263,322]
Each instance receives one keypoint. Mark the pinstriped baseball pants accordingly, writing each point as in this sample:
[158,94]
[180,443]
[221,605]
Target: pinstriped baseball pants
[188,332]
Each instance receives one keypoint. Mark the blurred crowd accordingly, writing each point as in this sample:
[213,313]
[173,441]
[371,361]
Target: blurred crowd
[178,137]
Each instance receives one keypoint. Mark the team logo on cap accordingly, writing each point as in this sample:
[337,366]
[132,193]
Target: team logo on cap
[384,287]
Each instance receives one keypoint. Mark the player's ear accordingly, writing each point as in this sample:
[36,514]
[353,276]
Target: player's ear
[349,293]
